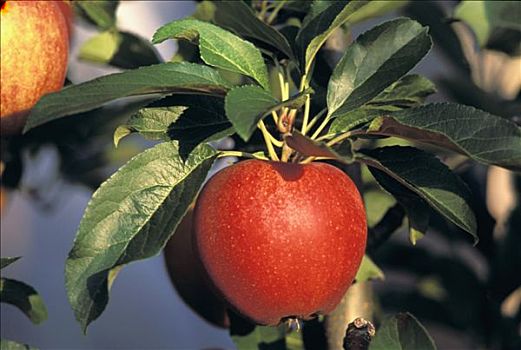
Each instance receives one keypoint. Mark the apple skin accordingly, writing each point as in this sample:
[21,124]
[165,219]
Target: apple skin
[187,275]
[67,11]
[34,46]
[280,240]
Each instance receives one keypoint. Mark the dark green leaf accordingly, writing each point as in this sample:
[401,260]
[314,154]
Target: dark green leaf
[357,117]
[375,60]
[204,121]
[152,123]
[166,78]
[8,261]
[409,91]
[432,180]
[416,208]
[218,47]
[101,12]
[262,338]
[474,133]
[133,52]
[247,105]
[23,297]
[119,49]
[297,5]
[323,18]
[486,17]
[12,345]
[368,270]
[402,332]
[375,9]
[431,13]
[130,217]
[308,147]
[190,119]
[240,18]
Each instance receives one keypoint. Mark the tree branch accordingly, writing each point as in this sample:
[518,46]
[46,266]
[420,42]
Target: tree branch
[359,334]
[381,232]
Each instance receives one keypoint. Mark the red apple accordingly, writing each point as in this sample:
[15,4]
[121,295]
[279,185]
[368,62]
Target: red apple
[280,240]
[34,46]
[67,11]
[187,276]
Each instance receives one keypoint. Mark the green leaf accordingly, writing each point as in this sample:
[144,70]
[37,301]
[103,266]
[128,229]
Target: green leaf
[101,12]
[294,340]
[203,121]
[368,270]
[12,345]
[472,132]
[308,147]
[24,297]
[119,49]
[238,17]
[429,178]
[433,15]
[357,117]
[190,119]
[485,17]
[247,105]
[375,9]
[130,217]
[262,338]
[409,91]
[166,78]
[4,262]
[323,18]
[133,52]
[402,332]
[416,208]
[376,59]
[218,47]
[152,123]
[100,48]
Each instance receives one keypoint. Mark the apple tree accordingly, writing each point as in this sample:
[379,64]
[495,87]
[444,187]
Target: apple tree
[295,91]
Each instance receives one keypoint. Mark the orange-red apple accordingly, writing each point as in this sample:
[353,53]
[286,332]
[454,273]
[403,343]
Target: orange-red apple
[67,11]
[187,276]
[34,50]
[280,240]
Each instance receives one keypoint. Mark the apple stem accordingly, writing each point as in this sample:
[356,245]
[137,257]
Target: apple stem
[240,154]
[293,324]
[268,140]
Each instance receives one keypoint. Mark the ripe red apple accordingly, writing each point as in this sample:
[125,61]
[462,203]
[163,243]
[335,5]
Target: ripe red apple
[67,11]
[280,240]
[34,46]
[187,276]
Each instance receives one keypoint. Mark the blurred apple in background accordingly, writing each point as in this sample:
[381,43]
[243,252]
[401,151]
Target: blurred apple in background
[34,46]
[67,11]
[187,277]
